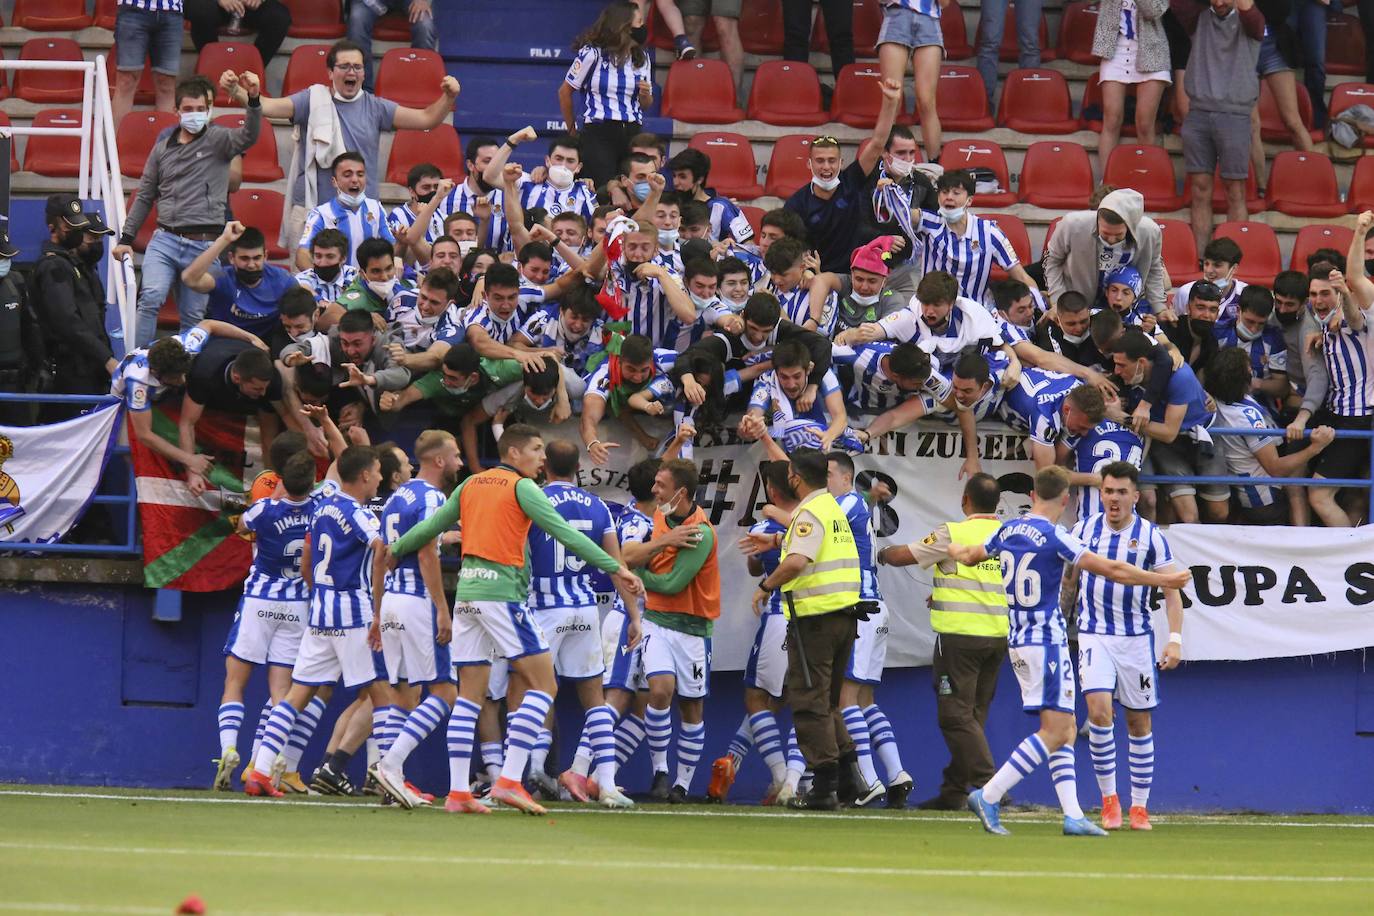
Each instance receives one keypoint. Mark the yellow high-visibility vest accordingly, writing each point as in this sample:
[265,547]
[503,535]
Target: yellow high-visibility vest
[830,581]
[971,601]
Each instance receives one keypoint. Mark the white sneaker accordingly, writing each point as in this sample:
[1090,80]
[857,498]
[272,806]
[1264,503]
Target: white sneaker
[546,784]
[613,798]
[785,794]
[394,783]
[278,770]
[875,791]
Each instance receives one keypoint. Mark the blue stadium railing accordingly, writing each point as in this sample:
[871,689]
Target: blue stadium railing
[117,492]
[1229,480]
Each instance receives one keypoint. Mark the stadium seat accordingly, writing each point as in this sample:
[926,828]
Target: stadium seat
[1261,259]
[317,19]
[661,37]
[145,232]
[50,15]
[1010,51]
[789,165]
[1272,129]
[1090,112]
[1304,184]
[218,56]
[305,68]
[1361,196]
[261,163]
[755,217]
[760,27]
[393,27]
[1344,46]
[439,145]
[56,157]
[701,91]
[961,100]
[858,96]
[262,210]
[14,144]
[1312,237]
[788,93]
[971,154]
[867,23]
[145,94]
[955,32]
[1049,234]
[1180,250]
[1016,233]
[136,136]
[1036,101]
[1147,169]
[169,316]
[1348,94]
[46,86]
[410,76]
[1077,25]
[1057,175]
[105,11]
[1253,202]
[733,171]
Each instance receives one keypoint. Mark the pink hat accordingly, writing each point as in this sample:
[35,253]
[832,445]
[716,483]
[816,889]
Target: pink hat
[874,256]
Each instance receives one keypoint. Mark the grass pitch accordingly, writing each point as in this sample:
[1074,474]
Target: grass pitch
[133,852]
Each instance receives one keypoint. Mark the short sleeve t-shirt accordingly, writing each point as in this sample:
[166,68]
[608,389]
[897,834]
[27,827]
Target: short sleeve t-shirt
[208,383]
[252,308]
[362,122]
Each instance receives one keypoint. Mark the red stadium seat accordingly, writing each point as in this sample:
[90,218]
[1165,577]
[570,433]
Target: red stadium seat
[262,210]
[1147,169]
[50,15]
[1272,129]
[14,145]
[961,100]
[1312,237]
[1016,233]
[662,38]
[305,68]
[760,27]
[787,92]
[1253,202]
[261,163]
[1036,101]
[218,56]
[955,32]
[105,11]
[169,317]
[1304,184]
[316,19]
[410,76]
[145,94]
[439,145]
[1049,233]
[1348,94]
[5,79]
[858,96]
[1180,250]
[1261,259]
[1090,114]
[46,86]
[136,136]
[789,165]
[393,27]
[971,154]
[1076,28]
[733,171]
[1010,51]
[1361,196]
[755,217]
[867,23]
[56,157]
[1057,175]
[701,92]
[1344,46]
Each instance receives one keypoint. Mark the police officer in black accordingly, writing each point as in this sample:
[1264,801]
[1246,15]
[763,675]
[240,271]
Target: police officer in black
[21,344]
[92,251]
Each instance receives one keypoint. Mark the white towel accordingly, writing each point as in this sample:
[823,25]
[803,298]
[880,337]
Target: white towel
[324,140]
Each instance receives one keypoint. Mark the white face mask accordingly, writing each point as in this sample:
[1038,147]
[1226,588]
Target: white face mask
[864,300]
[351,201]
[429,320]
[193,122]
[825,184]
[1245,334]
[952,214]
[900,168]
[382,288]
[667,508]
[561,177]
[540,407]
[1075,338]
[700,303]
[667,238]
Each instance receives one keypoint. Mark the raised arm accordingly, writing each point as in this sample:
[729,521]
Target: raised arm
[887,115]
[197,274]
[433,115]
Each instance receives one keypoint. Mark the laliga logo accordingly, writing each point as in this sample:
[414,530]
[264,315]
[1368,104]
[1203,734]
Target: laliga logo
[10,510]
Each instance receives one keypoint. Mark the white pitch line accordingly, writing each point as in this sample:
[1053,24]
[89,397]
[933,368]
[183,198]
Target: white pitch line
[1196,820]
[34,906]
[524,863]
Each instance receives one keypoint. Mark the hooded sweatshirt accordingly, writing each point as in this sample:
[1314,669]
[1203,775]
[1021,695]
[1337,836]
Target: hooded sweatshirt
[1072,260]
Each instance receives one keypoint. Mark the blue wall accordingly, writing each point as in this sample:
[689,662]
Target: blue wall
[97,693]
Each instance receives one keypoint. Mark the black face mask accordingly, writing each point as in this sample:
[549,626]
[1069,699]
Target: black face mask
[248,277]
[1369,267]
[73,238]
[483,185]
[92,254]
[425,198]
[1201,328]
[330,273]
[1286,318]
[639,34]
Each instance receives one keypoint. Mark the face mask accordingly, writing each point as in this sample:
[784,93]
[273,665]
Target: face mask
[483,186]
[1075,338]
[667,238]
[667,508]
[826,184]
[193,122]
[1369,267]
[297,338]
[329,274]
[91,255]
[900,168]
[560,176]
[429,320]
[456,389]
[642,190]
[639,34]
[351,201]
[381,288]
[72,240]
[700,303]
[1245,334]
[952,214]
[4,267]
[1199,327]
[631,267]
[1287,318]
[540,407]
[248,277]
[425,198]
[356,96]
[864,300]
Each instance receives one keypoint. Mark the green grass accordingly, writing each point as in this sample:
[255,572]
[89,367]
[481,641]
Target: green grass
[130,851]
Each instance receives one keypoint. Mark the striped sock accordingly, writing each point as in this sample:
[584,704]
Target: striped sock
[539,754]
[1028,755]
[1142,756]
[262,724]
[690,743]
[764,728]
[658,724]
[301,733]
[1102,745]
[274,736]
[395,720]
[493,758]
[796,763]
[522,731]
[628,736]
[379,735]
[742,741]
[462,732]
[417,727]
[857,726]
[582,760]
[1065,781]
[230,721]
[600,734]
[884,741]
[374,754]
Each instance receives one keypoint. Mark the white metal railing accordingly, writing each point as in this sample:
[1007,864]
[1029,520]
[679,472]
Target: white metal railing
[98,175]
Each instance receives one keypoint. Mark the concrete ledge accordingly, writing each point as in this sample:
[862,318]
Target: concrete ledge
[71,570]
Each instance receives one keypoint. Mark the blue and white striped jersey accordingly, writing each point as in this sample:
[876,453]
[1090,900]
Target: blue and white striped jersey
[1346,352]
[970,325]
[544,329]
[366,222]
[1109,441]
[412,503]
[1014,333]
[417,332]
[647,306]
[631,527]
[659,385]
[558,578]
[403,217]
[279,528]
[728,222]
[924,7]
[873,390]
[796,308]
[860,516]
[754,262]
[1230,300]
[1268,351]
[1034,551]
[463,199]
[327,290]
[501,330]
[578,198]
[1107,608]
[341,533]
[610,90]
[154,6]
[969,257]
[531,300]
[1035,405]
[779,410]
[769,560]
[1240,451]
[135,383]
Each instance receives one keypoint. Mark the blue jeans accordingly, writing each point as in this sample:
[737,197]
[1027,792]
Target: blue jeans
[363,16]
[992,18]
[1308,19]
[167,256]
[140,34]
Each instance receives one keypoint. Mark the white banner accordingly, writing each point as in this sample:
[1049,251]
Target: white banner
[48,474]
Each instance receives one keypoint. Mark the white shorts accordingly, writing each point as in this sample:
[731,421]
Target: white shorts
[624,666]
[484,631]
[1046,677]
[498,680]
[870,649]
[267,631]
[574,637]
[328,654]
[766,669]
[1124,665]
[685,657]
[408,641]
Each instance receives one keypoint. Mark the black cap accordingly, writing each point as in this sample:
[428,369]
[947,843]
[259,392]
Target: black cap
[7,249]
[68,207]
[97,223]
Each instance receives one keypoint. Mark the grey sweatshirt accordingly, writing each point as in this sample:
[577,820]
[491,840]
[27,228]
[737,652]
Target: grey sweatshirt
[1221,73]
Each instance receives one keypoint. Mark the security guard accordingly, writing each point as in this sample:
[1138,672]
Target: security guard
[819,578]
[21,344]
[968,612]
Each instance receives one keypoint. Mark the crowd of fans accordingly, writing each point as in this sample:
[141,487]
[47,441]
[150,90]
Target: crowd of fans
[613,284]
